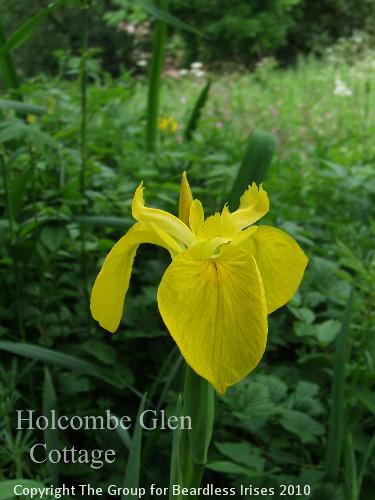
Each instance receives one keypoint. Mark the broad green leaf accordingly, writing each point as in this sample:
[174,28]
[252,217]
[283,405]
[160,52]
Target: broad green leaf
[133,468]
[243,453]
[325,332]
[18,130]
[254,166]
[366,397]
[305,427]
[53,237]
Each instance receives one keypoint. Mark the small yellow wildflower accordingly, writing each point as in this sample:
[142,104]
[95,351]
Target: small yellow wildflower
[31,119]
[168,124]
[226,276]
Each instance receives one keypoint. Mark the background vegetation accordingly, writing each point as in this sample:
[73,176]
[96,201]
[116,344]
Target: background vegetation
[71,154]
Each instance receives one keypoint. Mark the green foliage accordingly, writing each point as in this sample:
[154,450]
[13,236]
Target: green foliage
[272,427]
[245,30]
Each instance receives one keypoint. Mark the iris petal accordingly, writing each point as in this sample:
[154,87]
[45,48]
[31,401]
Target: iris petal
[281,262]
[254,204]
[215,311]
[112,282]
[185,201]
[166,221]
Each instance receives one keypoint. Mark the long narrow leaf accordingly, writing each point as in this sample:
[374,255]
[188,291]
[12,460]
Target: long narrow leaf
[51,436]
[254,165]
[351,469]
[154,83]
[22,107]
[60,359]
[164,16]
[337,418]
[133,468]
[175,476]
[196,112]
[7,67]
[18,193]
[25,31]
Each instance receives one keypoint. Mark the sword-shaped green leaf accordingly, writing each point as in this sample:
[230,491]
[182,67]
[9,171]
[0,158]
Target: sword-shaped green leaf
[133,468]
[255,164]
[196,112]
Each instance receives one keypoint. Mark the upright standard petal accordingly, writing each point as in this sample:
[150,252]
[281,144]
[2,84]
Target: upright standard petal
[166,221]
[185,201]
[254,204]
[215,310]
[280,260]
[112,282]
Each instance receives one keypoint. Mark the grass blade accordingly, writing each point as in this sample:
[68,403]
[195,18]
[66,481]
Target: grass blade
[133,468]
[51,436]
[175,476]
[254,165]
[197,110]
[337,418]
[18,193]
[164,16]
[25,31]
[351,469]
[154,83]
[7,67]
[366,457]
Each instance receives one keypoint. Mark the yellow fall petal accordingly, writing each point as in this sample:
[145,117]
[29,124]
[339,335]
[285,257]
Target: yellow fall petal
[166,221]
[254,204]
[281,263]
[112,282]
[215,311]
[186,199]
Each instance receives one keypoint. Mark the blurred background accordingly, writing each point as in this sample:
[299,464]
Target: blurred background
[98,95]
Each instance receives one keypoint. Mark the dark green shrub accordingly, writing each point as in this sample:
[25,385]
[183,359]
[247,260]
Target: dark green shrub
[237,30]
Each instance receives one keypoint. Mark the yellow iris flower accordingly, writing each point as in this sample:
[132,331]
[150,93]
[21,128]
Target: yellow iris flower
[168,124]
[226,276]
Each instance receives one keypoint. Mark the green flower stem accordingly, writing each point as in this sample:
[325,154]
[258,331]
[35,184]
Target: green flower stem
[199,404]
